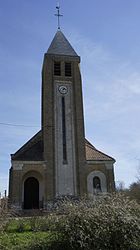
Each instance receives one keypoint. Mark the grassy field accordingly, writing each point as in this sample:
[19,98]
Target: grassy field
[24,240]
[27,233]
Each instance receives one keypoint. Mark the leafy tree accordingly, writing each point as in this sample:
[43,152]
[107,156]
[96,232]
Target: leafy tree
[134,191]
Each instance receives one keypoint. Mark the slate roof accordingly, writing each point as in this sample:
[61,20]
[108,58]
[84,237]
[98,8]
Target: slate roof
[61,46]
[33,151]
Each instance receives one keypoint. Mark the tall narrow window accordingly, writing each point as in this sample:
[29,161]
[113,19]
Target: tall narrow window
[64,131]
[97,184]
[67,69]
[57,68]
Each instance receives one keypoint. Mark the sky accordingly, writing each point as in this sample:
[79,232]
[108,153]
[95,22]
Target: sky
[106,35]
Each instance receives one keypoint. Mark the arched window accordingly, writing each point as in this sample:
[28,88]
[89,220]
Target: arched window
[97,184]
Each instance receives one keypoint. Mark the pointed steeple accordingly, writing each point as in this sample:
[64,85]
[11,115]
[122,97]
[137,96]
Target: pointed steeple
[61,46]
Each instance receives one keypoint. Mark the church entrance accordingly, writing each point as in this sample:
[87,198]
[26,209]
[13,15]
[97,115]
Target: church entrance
[31,193]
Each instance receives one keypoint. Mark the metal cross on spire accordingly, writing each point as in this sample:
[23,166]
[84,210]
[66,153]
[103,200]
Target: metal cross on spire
[58,15]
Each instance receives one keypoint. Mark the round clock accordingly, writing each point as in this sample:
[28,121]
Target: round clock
[63,89]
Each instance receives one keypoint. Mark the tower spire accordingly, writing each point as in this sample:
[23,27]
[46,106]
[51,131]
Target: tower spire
[58,14]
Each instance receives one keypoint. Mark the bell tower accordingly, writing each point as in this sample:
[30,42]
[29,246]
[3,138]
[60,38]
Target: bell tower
[62,119]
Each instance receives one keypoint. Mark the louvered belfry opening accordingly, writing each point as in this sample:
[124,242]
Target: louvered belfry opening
[57,68]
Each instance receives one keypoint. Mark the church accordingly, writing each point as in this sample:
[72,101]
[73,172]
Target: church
[59,161]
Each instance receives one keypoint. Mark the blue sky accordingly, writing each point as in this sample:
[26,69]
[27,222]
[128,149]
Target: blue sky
[106,35]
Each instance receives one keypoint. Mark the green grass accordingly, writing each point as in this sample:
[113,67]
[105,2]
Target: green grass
[29,233]
[15,225]
[26,224]
[25,240]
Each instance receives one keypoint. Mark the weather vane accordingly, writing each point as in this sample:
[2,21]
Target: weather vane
[58,15]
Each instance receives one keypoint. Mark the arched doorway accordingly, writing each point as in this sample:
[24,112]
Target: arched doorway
[31,193]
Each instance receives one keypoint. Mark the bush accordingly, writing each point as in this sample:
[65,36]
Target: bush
[53,242]
[110,223]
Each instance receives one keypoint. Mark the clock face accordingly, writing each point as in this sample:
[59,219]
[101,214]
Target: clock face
[63,89]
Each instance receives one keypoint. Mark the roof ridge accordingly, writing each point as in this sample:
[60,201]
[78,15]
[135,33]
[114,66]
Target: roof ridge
[30,142]
[88,144]
[104,154]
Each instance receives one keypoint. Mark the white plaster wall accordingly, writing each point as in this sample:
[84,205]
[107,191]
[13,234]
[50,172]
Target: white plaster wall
[65,174]
[90,177]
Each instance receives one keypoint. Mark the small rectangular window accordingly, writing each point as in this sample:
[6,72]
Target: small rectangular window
[57,68]
[67,69]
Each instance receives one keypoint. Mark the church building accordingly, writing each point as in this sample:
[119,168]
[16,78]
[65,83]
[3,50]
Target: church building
[59,161]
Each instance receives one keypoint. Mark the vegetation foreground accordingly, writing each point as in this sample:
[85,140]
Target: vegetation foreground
[109,223]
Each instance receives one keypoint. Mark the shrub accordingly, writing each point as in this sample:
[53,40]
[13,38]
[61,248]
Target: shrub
[55,241]
[109,223]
